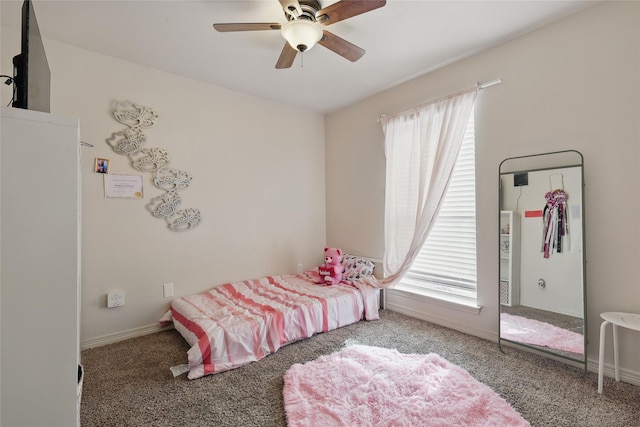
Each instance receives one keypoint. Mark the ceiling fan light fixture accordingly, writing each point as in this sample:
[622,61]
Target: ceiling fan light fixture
[301,34]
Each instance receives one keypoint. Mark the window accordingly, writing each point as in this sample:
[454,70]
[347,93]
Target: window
[447,261]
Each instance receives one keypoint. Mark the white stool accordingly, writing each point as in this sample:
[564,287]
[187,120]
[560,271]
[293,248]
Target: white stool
[626,320]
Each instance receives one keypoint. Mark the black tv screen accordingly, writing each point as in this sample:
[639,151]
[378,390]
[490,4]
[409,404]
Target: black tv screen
[31,68]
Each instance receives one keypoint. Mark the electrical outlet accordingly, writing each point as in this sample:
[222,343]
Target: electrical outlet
[299,267]
[167,290]
[115,299]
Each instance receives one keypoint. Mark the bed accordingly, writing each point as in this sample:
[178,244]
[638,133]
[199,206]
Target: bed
[238,323]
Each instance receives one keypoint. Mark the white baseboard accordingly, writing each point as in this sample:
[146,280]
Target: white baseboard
[419,314]
[123,335]
[626,375]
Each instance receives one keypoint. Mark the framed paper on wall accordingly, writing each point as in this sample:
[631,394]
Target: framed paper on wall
[123,186]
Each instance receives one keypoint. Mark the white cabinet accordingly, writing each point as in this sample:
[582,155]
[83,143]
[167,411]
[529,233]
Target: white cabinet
[509,258]
[40,269]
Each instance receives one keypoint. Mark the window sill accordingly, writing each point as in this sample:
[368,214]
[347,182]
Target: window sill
[467,305]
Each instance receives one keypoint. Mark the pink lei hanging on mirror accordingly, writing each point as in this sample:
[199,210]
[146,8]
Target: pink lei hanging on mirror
[555,221]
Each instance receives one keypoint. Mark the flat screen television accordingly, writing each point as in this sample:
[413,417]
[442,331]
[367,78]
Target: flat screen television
[31,74]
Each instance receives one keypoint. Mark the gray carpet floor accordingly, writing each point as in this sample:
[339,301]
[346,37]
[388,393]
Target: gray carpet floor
[129,383]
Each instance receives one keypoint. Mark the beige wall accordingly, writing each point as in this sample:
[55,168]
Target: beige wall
[258,183]
[574,84]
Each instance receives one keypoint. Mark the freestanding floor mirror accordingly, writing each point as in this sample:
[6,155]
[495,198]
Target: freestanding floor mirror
[542,288]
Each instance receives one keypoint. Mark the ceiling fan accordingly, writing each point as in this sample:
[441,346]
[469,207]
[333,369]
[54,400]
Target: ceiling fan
[303,29]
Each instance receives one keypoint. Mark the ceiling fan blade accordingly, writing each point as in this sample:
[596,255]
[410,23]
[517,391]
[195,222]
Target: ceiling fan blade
[287,57]
[291,7]
[223,28]
[340,46]
[346,9]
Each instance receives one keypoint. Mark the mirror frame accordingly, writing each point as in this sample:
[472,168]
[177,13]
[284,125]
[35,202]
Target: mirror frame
[541,162]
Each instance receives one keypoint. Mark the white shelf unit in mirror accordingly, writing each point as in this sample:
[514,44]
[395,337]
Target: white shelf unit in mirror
[509,258]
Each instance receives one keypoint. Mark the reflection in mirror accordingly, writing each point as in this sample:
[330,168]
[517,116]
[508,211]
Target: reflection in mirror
[541,253]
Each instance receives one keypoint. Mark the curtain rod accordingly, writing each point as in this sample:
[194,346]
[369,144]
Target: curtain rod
[488,84]
[479,86]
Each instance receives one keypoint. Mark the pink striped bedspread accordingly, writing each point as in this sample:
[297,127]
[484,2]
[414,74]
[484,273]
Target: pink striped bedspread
[238,323]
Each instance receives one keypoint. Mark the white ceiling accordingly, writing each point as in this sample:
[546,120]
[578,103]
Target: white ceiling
[403,39]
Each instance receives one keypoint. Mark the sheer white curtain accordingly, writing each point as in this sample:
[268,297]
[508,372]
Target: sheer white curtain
[421,147]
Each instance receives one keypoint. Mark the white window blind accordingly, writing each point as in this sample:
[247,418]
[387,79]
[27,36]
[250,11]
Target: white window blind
[447,261]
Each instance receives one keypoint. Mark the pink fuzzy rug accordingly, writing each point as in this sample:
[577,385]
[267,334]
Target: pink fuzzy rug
[529,331]
[371,386]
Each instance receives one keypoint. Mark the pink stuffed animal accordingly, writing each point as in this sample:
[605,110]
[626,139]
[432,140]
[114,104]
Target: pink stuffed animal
[331,271]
